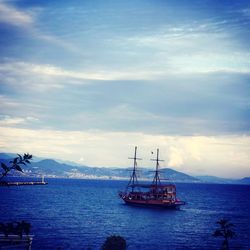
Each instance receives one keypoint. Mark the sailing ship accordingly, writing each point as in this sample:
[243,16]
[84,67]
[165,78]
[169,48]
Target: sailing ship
[155,194]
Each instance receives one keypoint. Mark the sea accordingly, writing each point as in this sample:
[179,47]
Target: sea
[81,214]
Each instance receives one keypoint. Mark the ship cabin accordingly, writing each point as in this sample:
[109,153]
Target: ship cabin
[166,192]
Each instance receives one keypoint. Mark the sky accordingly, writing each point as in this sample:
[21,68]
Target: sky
[88,80]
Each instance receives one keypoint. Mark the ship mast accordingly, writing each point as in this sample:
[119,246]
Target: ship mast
[133,179]
[156,180]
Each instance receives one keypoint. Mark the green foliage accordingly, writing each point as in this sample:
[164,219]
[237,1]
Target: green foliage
[15,164]
[225,232]
[114,243]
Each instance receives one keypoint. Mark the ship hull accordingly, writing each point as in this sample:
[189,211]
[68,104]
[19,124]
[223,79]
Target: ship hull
[154,204]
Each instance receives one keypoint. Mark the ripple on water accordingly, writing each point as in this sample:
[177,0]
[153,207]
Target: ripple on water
[76,214]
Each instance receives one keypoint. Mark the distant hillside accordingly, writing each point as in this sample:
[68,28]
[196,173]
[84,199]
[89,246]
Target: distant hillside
[214,179]
[178,176]
[55,169]
[52,168]
[7,156]
[245,180]
[171,174]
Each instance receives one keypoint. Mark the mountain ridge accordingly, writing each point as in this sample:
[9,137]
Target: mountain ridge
[53,169]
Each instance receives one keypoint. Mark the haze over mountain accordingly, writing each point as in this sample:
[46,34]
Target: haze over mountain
[53,169]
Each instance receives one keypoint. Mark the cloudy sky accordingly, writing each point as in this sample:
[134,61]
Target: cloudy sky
[86,81]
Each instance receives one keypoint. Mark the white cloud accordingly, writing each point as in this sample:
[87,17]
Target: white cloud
[44,76]
[11,15]
[27,20]
[12,121]
[175,157]
[24,111]
[8,103]
[206,47]
[245,12]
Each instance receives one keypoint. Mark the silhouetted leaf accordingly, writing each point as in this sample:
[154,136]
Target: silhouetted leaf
[15,160]
[217,233]
[225,232]
[229,225]
[27,156]
[18,168]
[5,168]
[15,164]
[230,234]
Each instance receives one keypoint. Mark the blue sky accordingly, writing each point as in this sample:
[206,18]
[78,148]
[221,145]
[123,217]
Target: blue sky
[88,80]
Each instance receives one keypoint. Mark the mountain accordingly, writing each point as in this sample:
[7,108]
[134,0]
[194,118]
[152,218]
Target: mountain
[245,180]
[7,156]
[178,176]
[168,173]
[54,169]
[214,179]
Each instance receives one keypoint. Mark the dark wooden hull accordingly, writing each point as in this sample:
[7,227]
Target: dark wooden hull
[154,203]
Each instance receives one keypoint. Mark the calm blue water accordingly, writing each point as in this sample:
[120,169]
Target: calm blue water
[77,214]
